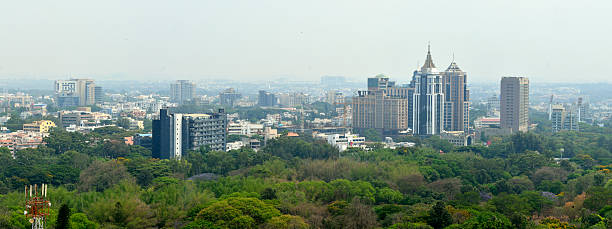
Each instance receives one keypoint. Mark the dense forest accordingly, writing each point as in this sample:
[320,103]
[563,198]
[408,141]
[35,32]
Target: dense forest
[298,182]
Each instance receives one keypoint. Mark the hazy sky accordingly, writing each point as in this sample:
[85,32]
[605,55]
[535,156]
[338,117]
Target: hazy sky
[258,39]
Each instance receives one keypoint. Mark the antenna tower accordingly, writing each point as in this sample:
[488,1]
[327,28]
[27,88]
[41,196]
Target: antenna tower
[37,205]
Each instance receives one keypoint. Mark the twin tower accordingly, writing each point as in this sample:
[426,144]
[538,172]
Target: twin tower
[434,102]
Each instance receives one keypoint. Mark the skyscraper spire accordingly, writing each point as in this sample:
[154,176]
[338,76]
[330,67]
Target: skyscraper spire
[429,65]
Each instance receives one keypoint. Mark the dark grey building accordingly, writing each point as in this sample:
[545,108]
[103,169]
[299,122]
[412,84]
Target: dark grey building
[266,99]
[174,134]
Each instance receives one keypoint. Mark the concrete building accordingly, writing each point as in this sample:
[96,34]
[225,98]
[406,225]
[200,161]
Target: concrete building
[75,92]
[334,97]
[243,127]
[514,103]
[382,107]
[292,99]
[266,99]
[484,122]
[175,133]
[182,91]
[21,140]
[345,141]
[493,106]
[228,97]
[98,95]
[42,126]
[584,113]
[457,99]
[458,138]
[428,99]
[564,118]
[83,118]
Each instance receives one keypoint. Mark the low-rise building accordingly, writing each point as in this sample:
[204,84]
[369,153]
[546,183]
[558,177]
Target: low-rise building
[82,118]
[345,141]
[458,138]
[242,127]
[484,122]
[21,140]
[234,145]
[42,126]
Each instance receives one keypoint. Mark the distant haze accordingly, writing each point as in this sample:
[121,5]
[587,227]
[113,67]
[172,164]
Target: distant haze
[545,40]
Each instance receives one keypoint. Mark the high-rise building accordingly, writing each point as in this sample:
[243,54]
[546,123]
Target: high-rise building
[457,99]
[382,107]
[266,99]
[428,99]
[564,118]
[182,91]
[293,99]
[334,97]
[583,110]
[514,103]
[228,97]
[99,95]
[493,106]
[75,92]
[174,133]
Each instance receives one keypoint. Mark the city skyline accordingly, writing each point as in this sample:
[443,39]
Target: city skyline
[273,39]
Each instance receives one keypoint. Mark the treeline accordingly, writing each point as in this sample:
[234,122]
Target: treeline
[301,182]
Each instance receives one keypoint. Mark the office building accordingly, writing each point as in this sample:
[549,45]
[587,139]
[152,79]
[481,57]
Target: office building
[266,99]
[514,104]
[493,106]
[83,118]
[228,97]
[383,107]
[98,95]
[583,110]
[292,99]
[334,97]
[175,133]
[564,118]
[75,92]
[428,99]
[457,99]
[182,91]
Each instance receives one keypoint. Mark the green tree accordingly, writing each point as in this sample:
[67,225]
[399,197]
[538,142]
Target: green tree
[487,220]
[102,175]
[63,218]
[238,212]
[286,222]
[439,216]
[372,135]
[80,221]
